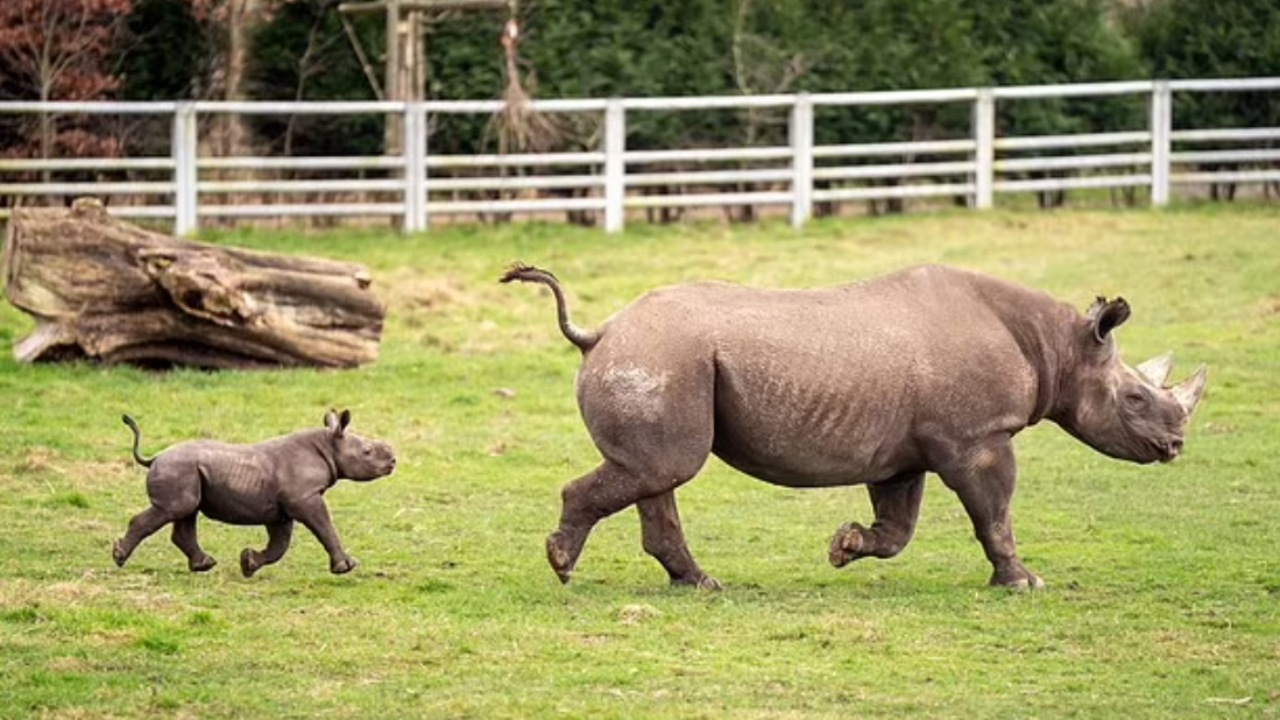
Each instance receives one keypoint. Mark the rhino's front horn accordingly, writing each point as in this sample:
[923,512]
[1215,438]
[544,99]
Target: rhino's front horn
[1157,369]
[1188,392]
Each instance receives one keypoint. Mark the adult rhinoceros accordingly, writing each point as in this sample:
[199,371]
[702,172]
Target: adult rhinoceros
[930,369]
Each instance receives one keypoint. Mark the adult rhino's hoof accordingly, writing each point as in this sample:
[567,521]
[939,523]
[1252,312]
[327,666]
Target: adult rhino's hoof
[701,582]
[559,558]
[1018,578]
[847,545]
[709,584]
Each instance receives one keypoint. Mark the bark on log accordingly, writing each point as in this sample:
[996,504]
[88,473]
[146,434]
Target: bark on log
[107,290]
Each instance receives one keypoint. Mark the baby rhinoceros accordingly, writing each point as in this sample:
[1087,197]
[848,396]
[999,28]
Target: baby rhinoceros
[271,483]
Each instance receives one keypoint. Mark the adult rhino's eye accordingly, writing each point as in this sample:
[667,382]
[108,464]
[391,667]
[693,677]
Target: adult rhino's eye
[1135,398]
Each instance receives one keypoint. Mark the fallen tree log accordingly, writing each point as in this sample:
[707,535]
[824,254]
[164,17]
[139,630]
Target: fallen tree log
[107,290]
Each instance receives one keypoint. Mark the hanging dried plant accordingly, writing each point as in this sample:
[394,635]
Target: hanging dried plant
[518,126]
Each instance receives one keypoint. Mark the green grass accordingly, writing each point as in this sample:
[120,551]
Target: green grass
[1163,595]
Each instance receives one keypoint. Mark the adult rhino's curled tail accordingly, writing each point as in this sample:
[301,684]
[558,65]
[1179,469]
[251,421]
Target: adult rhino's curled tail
[137,437]
[584,339]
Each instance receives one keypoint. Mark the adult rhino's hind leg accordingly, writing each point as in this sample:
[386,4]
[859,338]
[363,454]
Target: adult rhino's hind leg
[664,540]
[586,501]
[984,478]
[603,492]
[896,503]
[653,424]
[184,536]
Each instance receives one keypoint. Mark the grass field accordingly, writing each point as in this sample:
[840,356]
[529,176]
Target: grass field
[1163,595]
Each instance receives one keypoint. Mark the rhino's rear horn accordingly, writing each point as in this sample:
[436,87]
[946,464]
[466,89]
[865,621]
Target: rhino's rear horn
[1157,369]
[1189,391]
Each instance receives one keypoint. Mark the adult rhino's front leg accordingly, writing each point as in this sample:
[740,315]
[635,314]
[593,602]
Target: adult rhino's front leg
[984,478]
[896,503]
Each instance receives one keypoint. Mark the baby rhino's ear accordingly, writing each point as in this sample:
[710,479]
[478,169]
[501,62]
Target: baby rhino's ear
[343,421]
[331,422]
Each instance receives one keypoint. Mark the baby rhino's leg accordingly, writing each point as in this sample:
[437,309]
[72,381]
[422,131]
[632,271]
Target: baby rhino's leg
[184,536]
[314,515]
[141,526]
[174,489]
[278,537]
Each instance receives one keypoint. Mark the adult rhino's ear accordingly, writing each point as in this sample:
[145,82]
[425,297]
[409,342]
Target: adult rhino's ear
[1105,316]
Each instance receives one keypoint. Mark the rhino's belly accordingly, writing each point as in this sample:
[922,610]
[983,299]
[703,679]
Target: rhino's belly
[241,511]
[797,464]
[238,494]
[791,416]
[801,450]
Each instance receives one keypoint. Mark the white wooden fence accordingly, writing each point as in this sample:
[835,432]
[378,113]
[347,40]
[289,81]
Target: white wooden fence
[418,185]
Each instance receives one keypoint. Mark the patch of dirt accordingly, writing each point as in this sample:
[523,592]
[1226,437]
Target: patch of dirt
[93,526]
[636,614]
[73,592]
[1269,306]
[594,639]
[69,665]
[406,289]
[41,460]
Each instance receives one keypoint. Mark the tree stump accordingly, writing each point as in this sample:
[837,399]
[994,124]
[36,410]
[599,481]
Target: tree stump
[104,289]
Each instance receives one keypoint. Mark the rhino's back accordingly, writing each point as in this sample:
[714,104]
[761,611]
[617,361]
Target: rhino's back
[832,385]
[894,321]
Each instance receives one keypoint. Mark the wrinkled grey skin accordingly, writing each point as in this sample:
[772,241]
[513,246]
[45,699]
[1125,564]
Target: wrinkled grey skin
[931,369]
[271,483]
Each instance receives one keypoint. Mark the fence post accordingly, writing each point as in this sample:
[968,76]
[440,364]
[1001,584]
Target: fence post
[415,167]
[615,165]
[1161,141]
[185,144]
[801,161]
[984,154]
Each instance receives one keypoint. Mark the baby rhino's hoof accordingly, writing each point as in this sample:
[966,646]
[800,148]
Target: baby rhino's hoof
[118,554]
[204,563]
[250,561]
[343,566]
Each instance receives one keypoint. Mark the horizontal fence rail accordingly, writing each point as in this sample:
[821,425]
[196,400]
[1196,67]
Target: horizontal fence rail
[601,184]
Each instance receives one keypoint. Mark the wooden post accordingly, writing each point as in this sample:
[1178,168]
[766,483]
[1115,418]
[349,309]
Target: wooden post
[984,137]
[615,165]
[391,79]
[801,161]
[1161,144]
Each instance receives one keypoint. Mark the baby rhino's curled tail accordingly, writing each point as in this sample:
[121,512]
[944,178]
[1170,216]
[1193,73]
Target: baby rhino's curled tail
[137,437]
[584,339]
